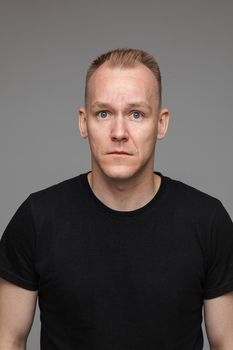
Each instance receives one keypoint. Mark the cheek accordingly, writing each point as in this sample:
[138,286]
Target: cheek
[144,138]
[96,138]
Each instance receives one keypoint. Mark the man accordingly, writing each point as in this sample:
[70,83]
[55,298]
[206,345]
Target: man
[122,256]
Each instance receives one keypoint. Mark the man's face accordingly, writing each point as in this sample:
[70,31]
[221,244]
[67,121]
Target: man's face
[122,115]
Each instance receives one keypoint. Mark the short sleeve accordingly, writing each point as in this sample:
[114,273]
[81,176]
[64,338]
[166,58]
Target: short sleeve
[17,246]
[219,272]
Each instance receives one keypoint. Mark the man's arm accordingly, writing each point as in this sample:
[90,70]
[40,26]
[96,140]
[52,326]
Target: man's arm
[17,310]
[218,316]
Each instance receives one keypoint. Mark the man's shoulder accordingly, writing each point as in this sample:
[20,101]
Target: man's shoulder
[58,186]
[191,195]
[61,191]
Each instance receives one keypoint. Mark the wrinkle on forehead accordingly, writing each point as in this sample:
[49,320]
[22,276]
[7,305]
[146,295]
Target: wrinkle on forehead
[122,86]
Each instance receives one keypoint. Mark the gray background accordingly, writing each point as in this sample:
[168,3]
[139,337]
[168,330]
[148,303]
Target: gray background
[46,47]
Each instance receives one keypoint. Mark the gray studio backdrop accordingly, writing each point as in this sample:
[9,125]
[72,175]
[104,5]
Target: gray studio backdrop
[46,47]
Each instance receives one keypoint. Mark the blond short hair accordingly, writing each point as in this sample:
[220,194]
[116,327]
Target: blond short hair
[126,57]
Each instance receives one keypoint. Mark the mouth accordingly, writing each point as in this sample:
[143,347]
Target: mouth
[120,154]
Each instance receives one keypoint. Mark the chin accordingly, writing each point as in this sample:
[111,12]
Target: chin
[119,172]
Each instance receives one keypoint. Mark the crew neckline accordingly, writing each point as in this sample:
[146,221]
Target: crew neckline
[119,213]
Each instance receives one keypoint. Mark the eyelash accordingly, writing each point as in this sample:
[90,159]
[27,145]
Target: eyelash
[97,113]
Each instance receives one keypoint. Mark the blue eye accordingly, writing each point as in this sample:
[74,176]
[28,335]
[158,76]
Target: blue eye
[137,114]
[103,113]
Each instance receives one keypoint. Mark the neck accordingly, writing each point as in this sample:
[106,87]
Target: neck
[127,198]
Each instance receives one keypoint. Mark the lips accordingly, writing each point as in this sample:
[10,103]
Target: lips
[119,152]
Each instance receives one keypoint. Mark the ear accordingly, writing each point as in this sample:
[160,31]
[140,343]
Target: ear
[163,122]
[82,122]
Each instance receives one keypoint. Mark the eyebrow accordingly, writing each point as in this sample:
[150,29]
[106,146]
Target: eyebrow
[133,105]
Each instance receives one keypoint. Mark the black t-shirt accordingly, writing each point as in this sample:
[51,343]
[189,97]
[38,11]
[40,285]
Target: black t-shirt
[120,280]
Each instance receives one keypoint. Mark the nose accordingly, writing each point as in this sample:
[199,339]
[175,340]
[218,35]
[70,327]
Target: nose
[119,129]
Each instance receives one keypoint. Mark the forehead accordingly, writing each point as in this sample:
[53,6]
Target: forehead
[122,84]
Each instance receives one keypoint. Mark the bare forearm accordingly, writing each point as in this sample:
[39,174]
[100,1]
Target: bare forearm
[6,345]
[221,347]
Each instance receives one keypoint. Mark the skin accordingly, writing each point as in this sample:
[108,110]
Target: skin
[123,182]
